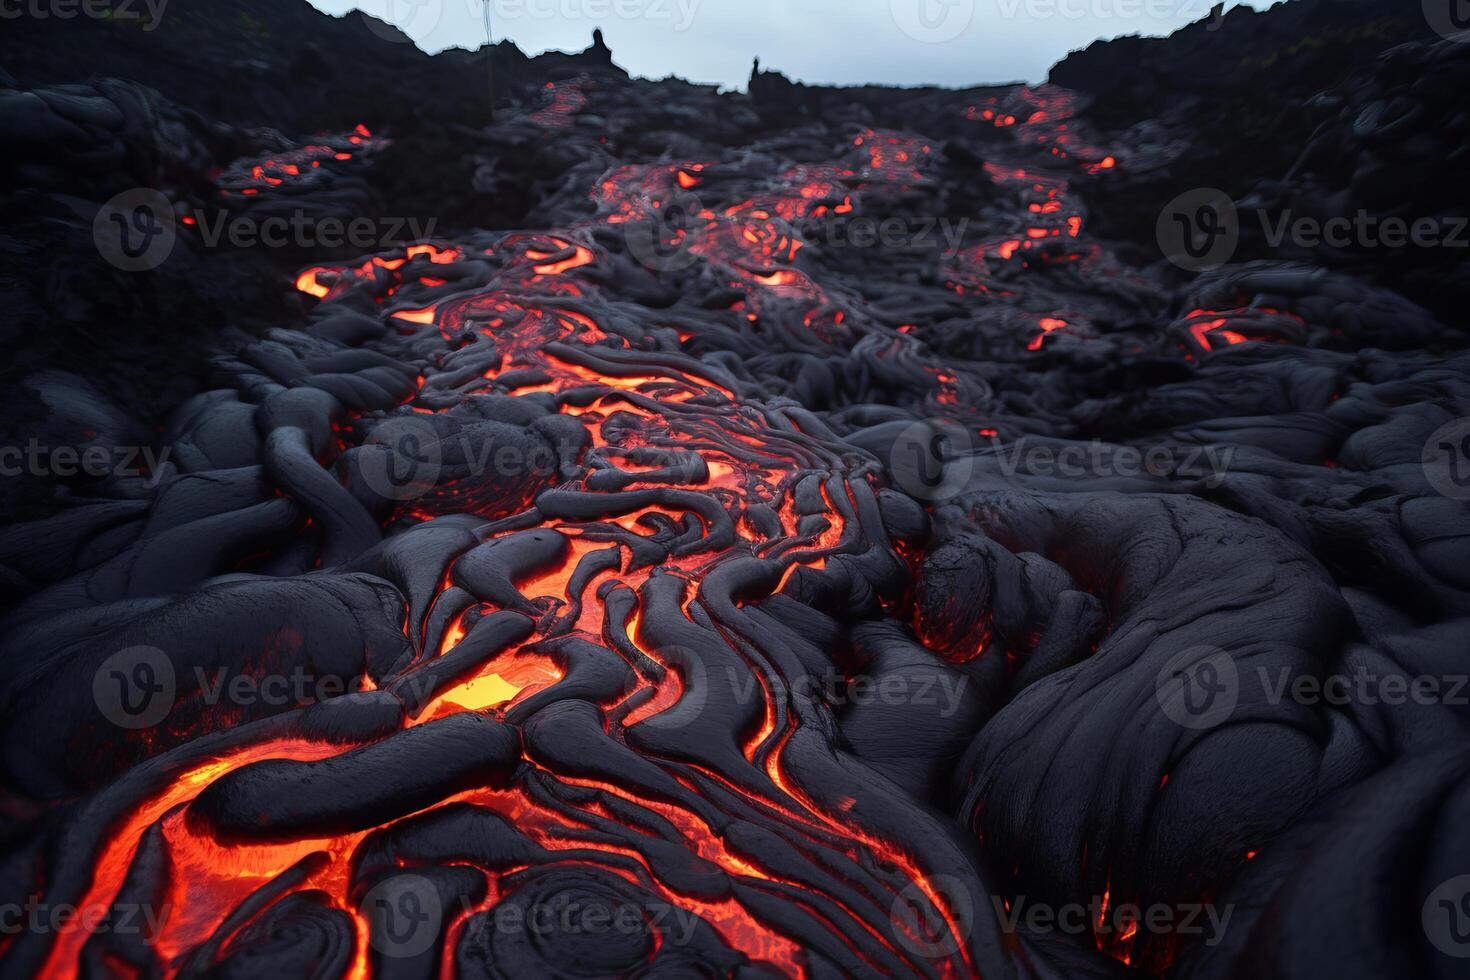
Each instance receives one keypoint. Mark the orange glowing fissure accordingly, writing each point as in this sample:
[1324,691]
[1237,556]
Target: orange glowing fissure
[747,461]
[1039,118]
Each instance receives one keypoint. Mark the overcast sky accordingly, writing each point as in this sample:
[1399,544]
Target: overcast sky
[896,42]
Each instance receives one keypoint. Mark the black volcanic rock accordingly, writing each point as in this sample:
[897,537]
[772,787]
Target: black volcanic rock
[809,531]
[1285,52]
[1359,95]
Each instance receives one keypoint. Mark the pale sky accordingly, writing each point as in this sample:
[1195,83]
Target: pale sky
[894,42]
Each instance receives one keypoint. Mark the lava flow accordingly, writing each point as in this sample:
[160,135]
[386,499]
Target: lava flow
[603,544]
[798,532]
[620,576]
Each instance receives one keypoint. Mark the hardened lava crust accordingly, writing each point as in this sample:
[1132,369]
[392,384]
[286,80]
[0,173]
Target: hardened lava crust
[804,532]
